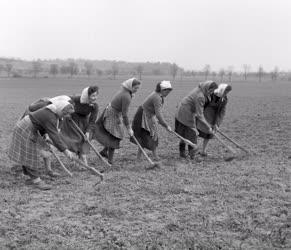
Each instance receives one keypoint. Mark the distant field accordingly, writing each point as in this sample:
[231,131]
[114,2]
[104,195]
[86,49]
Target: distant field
[213,204]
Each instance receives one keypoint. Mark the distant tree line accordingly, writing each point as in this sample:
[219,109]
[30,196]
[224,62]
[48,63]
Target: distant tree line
[112,69]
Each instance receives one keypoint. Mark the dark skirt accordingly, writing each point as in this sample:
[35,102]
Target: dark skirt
[204,135]
[72,137]
[209,114]
[185,131]
[143,136]
[103,136]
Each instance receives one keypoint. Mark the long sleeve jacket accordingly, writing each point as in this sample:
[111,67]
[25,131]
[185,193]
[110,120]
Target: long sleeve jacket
[153,105]
[46,121]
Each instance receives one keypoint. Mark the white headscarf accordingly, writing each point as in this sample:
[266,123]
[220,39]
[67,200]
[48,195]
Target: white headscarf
[165,85]
[59,98]
[128,84]
[220,90]
[84,96]
[58,106]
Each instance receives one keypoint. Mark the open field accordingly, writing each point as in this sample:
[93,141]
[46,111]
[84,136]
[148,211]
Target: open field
[213,204]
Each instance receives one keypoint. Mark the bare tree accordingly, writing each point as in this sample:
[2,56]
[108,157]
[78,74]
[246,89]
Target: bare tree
[73,68]
[246,70]
[115,70]
[36,67]
[275,73]
[1,68]
[193,73]
[89,68]
[54,69]
[99,72]
[157,72]
[260,72]
[182,72]
[64,69]
[213,75]
[229,73]
[8,68]
[221,74]
[139,70]
[206,70]
[173,70]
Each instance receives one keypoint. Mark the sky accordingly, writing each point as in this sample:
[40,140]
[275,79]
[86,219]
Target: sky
[191,33]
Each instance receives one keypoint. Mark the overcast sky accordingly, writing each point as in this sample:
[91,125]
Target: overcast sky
[191,33]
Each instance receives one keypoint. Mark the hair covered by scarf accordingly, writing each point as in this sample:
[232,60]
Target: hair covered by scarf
[221,89]
[59,98]
[165,85]
[128,83]
[205,86]
[84,96]
[58,106]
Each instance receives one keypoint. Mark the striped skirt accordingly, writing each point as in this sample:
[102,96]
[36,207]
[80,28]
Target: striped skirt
[27,146]
[145,129]
[108,129]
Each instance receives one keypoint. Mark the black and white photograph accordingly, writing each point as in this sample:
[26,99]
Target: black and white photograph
[145,124]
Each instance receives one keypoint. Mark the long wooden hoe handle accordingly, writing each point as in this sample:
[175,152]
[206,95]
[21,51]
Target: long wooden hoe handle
[59,161]
[95,171]
[225,145]
[142,150]
[234,142]
[90,144]
[185,140]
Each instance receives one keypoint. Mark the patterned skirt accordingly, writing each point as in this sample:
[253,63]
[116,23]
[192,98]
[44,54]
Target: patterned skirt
[145,129]
[27,146]
[185,131]
[72,137]
[108,130]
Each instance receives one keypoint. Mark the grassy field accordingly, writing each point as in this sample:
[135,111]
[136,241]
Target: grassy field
[212,204]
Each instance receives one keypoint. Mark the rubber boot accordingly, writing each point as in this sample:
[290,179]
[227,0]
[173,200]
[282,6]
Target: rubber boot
[182,147]
[110,155]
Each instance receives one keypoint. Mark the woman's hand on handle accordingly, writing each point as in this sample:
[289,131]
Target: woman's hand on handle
[69,154]
[130,132]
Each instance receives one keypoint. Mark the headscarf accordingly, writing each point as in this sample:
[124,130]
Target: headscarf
[165,85]
[220,90]
[205,86]
[84,96]
[59,98]
[128,84]
[58,106]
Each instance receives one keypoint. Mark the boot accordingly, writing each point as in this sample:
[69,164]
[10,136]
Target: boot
[191,152]
[110,155]
[182,147]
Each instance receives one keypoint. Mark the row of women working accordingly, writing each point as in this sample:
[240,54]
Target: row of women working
[69,122]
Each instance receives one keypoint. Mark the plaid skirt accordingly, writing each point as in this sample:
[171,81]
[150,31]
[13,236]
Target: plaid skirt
[102,135]
[26,147]
[113,122]
[145,129]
